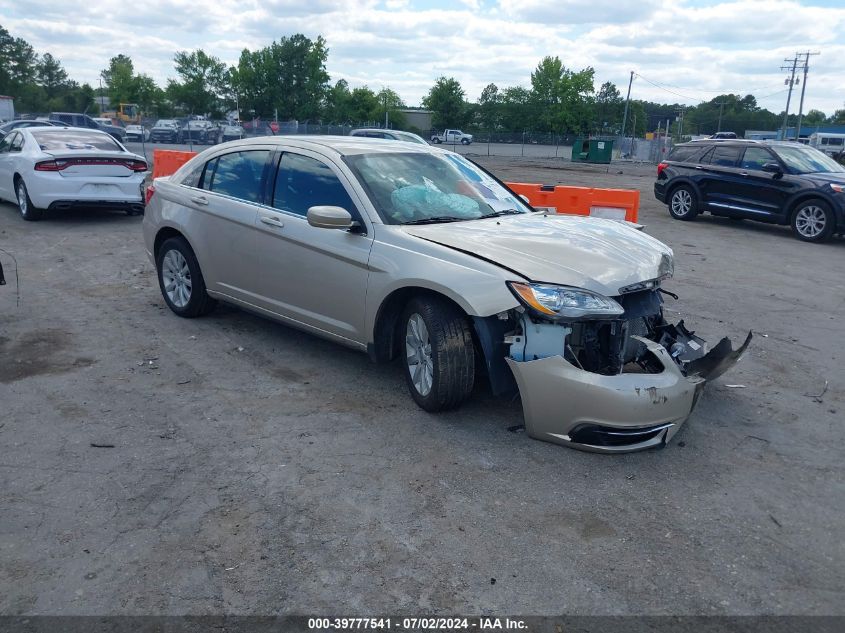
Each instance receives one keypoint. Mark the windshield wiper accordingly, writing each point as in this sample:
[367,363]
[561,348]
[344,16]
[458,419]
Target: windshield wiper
[497,214]
[435,220]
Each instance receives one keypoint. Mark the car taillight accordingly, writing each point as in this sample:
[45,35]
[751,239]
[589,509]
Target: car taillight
[51,165]
[150,191]
[660,168]
[137,165]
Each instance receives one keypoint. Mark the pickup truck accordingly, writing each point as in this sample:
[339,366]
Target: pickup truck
[452,136]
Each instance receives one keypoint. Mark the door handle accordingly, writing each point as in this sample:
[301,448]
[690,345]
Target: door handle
[699,167]
[199,200]
[272,221]
[743,173]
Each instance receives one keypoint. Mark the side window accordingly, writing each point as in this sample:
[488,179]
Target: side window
[194,177]
[303,182]
[756,157]
[5,143]
[704,159]
[238,175]
[16,143]
[725,156]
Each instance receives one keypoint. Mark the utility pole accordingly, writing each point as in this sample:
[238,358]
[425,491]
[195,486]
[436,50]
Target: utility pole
[803,88]
[680,120]
[627,101]
[721,105]
[791,83]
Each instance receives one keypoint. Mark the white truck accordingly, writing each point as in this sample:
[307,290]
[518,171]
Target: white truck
[453,137]
[7,108]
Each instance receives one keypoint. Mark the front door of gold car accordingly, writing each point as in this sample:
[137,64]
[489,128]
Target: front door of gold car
[315,276]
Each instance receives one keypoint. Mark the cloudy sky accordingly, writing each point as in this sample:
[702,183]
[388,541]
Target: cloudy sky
[682,50]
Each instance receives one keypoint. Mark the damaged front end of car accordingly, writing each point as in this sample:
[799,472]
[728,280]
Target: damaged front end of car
[606,374]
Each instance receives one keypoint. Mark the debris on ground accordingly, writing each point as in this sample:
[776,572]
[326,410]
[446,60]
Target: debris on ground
[96,445]
[819,397]
[736,386]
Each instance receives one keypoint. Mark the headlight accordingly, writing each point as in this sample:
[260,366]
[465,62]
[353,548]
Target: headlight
[837,187]
[564,302]
[667,266]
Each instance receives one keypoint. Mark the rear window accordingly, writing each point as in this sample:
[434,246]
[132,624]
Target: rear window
[61,139]
[686,153]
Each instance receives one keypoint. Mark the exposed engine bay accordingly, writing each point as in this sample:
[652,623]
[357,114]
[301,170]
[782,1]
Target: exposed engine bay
[613,346]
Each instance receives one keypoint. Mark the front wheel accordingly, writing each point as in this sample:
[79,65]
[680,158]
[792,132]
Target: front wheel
[683,204]
[180,279]
[464,141]
[28,211]
[813,221]
[439,356]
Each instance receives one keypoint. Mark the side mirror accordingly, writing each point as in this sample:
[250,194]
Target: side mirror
[327,217]
[525,199]
[773,168]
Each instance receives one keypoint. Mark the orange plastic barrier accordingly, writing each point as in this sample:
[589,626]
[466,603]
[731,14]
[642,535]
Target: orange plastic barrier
[167,161]
[617,204]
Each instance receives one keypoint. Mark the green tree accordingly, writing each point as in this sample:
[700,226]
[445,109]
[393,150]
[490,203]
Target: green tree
[814,117]
[288,76]
[837,118]
[562,98]
[490,108]
[391,102]
[203,82]
[51,76]
[336,108]
[119,79]
[446,100]
[18,70]
[609,107]
[363,105]
[516,109]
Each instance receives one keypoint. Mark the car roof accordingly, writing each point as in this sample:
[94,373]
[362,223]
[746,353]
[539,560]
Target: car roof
[63,128]
[342,145]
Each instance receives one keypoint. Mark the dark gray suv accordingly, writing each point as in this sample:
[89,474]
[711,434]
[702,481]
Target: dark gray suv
[776,182]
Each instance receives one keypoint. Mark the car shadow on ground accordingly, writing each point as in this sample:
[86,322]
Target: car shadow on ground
[763,228]
[81,215]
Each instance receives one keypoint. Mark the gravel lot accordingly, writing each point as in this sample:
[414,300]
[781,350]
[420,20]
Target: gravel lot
[259,470]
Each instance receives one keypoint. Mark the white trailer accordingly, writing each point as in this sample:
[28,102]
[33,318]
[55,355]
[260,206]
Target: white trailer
[7,108]
[828,142]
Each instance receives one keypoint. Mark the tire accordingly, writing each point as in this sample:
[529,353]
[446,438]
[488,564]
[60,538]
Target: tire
[175,265]
[438,333]
[813,221]
[464,141]
[436,141]
[29,212]
[683,204]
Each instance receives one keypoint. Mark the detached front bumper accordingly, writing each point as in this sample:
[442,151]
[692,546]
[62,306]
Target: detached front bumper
[613,414]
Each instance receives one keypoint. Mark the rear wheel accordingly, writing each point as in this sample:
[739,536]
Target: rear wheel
[180,279]
[464,141]
[813,221]
[28,211]
[683,204]
[439,356]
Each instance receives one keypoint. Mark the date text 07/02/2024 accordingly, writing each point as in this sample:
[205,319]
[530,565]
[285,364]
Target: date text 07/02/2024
[417,624]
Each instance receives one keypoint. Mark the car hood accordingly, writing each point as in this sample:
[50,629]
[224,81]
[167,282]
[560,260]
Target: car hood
[594,253]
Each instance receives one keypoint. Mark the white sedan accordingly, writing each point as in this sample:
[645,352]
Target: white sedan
[62,168]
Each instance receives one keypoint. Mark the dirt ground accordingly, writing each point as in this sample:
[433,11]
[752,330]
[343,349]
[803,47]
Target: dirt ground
[156,465]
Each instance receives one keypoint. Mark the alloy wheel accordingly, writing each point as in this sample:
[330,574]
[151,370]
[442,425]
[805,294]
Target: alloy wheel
[177,278]
[418,354]
[23,205]
[810,221]
[681,202]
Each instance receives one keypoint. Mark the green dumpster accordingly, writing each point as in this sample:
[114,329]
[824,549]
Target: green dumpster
[591,150]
